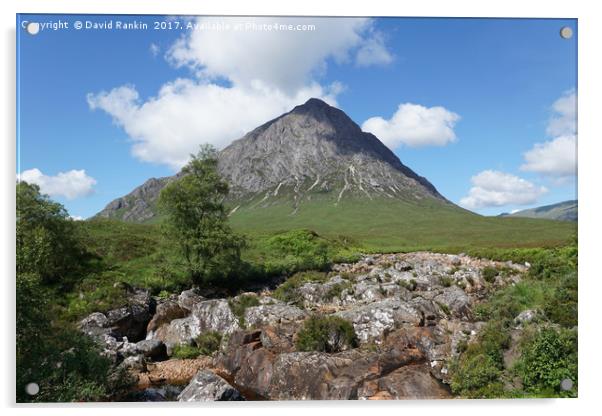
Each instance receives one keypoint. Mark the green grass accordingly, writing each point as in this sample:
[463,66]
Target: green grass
[392,225]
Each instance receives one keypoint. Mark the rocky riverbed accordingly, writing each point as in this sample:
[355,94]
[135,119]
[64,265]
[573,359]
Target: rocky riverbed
[412,313]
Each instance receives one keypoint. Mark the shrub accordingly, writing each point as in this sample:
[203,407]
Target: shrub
[300,249]
[549,357]
[476,376]
[489,274]
[446,281]
[208,342]
[327,334]
[184,352]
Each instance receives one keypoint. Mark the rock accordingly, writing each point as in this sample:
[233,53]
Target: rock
[134,363]
[95,325]
[372,321]
[525,317]
[166,312]
[131,320]
[207,386]
[172,372]
[153,349]
[209,315]
[215,315]
[456,302]
[188,298]
[258,316]
[177,332]
[408,382]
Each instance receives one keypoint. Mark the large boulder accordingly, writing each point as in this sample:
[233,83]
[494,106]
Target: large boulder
[207,386]
[209,315]
[374,320]
[408,382]
[270,315]
[166,312]
[455,302]
[188,298]
[131,320]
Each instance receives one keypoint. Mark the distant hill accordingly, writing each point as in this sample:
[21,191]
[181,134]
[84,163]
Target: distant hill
[562,211]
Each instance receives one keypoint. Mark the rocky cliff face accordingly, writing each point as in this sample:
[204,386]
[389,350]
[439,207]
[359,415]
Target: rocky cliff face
[314,151]
[411,313]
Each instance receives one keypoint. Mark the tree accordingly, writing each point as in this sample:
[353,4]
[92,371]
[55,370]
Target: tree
[66,364]
[47,240]
[196,219]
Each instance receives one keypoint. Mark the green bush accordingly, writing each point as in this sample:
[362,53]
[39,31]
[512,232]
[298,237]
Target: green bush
[489,274]
[446,281]
[549,357]
[299,250]
[475,376]
[208,342]
[327,334]
[185,352]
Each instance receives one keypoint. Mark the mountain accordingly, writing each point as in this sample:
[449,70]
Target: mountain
[314,152]
[562,211]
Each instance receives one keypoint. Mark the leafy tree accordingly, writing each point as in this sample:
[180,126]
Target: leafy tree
[197,220]
[47,240]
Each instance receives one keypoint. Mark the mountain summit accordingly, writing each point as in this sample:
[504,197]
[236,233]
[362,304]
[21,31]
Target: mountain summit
[314,153]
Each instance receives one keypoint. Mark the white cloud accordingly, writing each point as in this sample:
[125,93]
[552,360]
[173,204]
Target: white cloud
[71,184]
[373,52]
[186,113]
[495,189]
[154,49]
[76,217]
[557,157]
[564,121]
[242,78]
[414,125]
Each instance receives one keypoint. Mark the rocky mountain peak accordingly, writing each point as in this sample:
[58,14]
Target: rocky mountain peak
[313,152]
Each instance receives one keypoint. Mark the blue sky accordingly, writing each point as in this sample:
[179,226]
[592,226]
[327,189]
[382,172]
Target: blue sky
[484,108]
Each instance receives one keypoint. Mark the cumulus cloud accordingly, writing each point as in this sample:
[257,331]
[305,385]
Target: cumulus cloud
[557,157]
[241,78]
[495,189]
[72,184]
[564,120]
[414,125]
[186,113]
[373,52]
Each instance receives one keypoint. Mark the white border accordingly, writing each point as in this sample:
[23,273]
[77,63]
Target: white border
[590,94]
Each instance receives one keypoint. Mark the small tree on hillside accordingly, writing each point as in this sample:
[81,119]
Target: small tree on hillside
[196,219]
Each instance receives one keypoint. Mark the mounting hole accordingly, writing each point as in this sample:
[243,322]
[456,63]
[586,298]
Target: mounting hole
[33,28]
[566,32]
[32,389]
[566,384]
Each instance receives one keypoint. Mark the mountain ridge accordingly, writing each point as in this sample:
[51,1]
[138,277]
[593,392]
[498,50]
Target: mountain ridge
[561,211]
